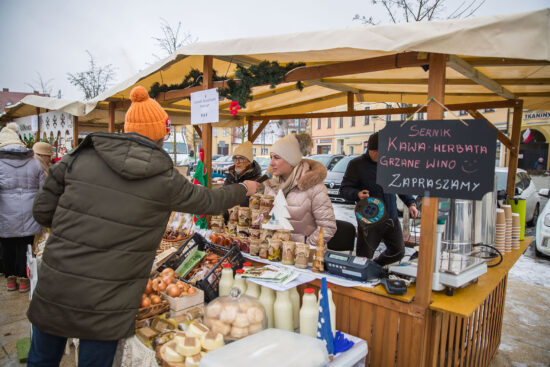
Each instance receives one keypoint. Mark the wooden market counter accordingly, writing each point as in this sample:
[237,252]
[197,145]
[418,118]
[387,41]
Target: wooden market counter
[463,329]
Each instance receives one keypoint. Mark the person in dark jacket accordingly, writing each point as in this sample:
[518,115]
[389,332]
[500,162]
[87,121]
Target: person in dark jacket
[108,203]
[359,182]
[244,167]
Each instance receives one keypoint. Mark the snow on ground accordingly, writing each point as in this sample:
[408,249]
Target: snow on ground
[530,270]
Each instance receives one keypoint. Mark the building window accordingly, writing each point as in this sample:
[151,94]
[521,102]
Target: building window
[352,121]
[318,124]
[489,110]
[403,116]
[224,132]
[420,115]
[341,123]
[351,150]
[366,121]
[462,113]
[264,151]
[329,123]
[215,132]
[254,151]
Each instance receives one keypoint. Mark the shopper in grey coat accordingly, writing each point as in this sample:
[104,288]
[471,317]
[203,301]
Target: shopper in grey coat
[20,178]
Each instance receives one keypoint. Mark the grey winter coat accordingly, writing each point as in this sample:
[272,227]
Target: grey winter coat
[20,178]
[108,203]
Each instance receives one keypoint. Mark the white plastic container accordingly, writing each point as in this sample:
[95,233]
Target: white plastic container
[282,309]
[270,348]
[226,280]
[309,313]
[267,298]
[295,300]
[239,281]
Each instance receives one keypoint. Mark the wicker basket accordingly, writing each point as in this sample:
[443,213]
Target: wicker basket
[153,310]
[166,244]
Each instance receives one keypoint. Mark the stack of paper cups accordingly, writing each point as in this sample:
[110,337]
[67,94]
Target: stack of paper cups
[508,214]
[500,242]
[516,231]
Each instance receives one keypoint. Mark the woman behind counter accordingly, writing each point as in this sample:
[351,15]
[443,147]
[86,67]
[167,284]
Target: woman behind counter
[301,180]
[244,168]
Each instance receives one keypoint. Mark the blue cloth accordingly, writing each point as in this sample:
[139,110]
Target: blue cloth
[324,331]
[47,350]
[341,344]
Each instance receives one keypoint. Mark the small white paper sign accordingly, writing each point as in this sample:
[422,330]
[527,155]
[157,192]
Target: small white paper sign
[205,107]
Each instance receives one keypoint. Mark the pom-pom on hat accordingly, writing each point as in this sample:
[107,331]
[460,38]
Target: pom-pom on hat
[145,116]
[8,135]
[293,147]
[244,150]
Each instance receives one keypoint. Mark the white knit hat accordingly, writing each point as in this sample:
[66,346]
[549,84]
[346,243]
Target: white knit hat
[244,150]
[293,147]
[8,135]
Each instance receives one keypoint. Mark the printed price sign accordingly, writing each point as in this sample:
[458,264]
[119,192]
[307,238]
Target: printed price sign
[205,107]
[439,158]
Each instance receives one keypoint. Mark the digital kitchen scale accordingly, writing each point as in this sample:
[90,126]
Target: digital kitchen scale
[353,267]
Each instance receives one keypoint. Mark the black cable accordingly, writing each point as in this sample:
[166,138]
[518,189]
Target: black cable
[491,257]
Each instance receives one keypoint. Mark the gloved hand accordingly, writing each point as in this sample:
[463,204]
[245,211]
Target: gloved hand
[341,344]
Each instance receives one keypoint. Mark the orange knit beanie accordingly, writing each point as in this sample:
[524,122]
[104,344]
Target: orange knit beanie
[145,116]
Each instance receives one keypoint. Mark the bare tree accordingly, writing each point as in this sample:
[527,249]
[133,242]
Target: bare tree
[171,39]
[93,81]
[43,87]
[400,11]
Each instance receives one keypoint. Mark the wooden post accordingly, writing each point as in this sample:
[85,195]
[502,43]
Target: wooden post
[430,206]
[207,128]
[111,117]
[514,151]
[250,127]
[75,131]
[350,102]
[38,121]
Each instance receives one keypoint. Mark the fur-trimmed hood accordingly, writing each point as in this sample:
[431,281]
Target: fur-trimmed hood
[308,174]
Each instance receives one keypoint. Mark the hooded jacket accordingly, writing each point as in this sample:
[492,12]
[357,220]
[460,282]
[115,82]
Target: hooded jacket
[108,203]
[20,178]
[308,202]
[252,173]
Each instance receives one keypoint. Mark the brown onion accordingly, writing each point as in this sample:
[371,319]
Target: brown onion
[149,287]
[168,279]
[155,299]
[168,271]
[145,302]
[173,290]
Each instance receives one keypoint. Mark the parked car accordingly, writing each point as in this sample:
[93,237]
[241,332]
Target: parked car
[222,163]
[263,162]
[182,156]
[329,160]
[525,189]
[192,161]
[334,179]
[542,239]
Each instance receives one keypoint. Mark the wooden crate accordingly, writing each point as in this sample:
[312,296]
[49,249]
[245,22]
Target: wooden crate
[184,302]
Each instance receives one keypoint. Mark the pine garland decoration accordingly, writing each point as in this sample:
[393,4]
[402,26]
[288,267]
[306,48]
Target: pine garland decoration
[237,90]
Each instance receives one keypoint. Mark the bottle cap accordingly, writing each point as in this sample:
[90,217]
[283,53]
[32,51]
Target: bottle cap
[226,265]
[309,290]
[247,264]
[240,271]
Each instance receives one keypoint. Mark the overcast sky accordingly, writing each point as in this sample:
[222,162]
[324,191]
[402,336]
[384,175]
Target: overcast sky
[50,37]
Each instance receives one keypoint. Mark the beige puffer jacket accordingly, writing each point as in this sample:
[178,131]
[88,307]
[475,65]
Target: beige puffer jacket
[308,202]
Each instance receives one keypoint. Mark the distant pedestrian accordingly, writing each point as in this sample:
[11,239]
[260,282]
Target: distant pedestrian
[20,178]
[43,152]
[539,164]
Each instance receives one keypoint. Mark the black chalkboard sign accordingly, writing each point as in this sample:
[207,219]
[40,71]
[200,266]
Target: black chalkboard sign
[439,158]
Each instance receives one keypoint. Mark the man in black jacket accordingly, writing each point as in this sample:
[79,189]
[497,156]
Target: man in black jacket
[360,182]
